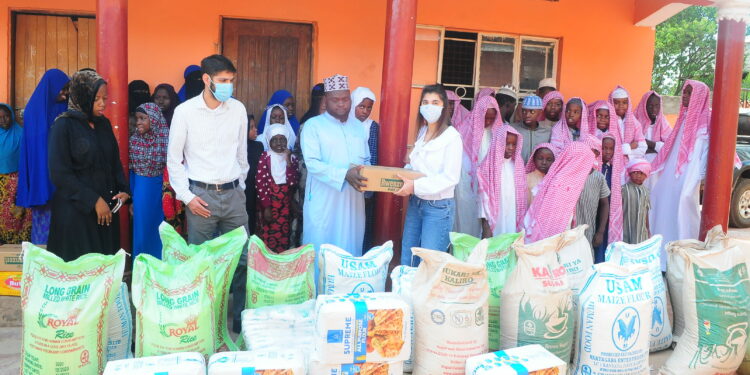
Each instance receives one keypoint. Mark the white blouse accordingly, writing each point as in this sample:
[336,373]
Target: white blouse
[440,161]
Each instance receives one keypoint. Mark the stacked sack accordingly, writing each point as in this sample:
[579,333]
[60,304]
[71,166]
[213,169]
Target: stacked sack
[450,300]
[368,333]
[500,261]
[715,306]
[343,273]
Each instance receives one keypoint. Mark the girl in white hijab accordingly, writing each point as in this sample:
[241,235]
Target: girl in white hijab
[363,100]
[277,115]
[276,182]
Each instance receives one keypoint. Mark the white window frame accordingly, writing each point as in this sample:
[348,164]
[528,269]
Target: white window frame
[519,39]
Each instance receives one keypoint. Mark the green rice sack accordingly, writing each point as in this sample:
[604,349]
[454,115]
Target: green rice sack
[225,252]
[65,307]
[279,279]
[500,261]
[174,306]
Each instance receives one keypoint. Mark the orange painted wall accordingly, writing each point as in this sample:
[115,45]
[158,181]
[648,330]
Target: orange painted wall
[599,45]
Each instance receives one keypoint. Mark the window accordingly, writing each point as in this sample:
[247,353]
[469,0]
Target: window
[469,62]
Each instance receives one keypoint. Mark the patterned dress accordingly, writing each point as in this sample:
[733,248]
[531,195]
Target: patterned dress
[13,229]
[276,234]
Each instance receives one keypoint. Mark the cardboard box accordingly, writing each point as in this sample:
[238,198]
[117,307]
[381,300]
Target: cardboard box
[10,283]
[530,359]
[10,258]
[385,179]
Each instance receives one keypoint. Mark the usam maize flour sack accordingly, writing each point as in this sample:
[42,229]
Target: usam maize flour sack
[174,306]
[342,273]
[537,301]
[224,252]
[279,279]
[450,310]
[120,332]
[648,253]
[614,320]
[402,278]
[716,307]
[500,261]
[65,307]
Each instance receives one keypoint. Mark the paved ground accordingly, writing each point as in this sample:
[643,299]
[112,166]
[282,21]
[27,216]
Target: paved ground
[10,337]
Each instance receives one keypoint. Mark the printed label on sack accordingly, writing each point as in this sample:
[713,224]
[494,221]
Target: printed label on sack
[548,325]
[722,314]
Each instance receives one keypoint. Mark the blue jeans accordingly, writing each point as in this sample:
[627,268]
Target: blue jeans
[427,225]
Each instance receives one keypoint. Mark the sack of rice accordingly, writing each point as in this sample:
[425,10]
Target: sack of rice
[529,359]
[65,307]
[716,307]
[614,313]
[575,255]
[120,332]
[402,278]
[225,252]
[500,261]
[537,300]
[343,273]
[174,306]
[280,327]
[648,253]
[279,279]
[359,328]
[170,364]
[367,368]
[276,362]
[450,310]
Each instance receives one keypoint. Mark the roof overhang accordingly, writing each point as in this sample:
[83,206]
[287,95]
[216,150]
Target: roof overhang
[650,13]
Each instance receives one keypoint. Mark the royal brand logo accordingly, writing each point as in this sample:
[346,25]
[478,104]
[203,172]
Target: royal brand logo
[57,323]
[190,326]
[52,321]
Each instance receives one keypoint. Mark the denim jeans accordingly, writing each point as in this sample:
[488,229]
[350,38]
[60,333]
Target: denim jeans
[427,225]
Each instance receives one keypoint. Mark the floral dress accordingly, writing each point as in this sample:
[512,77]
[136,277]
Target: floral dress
[276,234]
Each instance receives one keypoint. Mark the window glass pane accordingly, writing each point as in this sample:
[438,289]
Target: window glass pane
[496,62]
[458,62]
[536,63]
[426,56]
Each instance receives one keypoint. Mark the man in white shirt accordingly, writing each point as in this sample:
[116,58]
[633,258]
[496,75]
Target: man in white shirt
[207,160]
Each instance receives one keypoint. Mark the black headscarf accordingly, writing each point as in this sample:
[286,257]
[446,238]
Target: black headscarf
[83,87]
[194,84]
[174,100]
[316,96]
[138,93]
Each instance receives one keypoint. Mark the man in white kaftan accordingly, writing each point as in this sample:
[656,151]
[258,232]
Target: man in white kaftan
[334,211]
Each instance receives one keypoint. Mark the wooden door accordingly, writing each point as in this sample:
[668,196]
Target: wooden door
[42,42]
[269,56]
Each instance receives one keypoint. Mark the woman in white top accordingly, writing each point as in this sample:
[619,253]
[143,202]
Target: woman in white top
[437,155]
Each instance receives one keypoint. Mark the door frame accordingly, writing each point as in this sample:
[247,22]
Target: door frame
[12,14]
[313,40]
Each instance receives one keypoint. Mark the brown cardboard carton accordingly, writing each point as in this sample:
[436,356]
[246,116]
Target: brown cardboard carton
[10,258]
[385,179]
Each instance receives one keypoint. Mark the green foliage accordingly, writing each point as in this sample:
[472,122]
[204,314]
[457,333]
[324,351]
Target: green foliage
[685,49]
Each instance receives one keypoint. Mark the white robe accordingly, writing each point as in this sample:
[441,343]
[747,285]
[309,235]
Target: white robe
[675,208]
[334,212]
[466,194]
[505,222]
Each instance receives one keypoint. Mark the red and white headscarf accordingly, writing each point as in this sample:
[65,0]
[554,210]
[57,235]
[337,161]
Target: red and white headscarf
[460,113]
[487,91]
[474,129]
[560,133]
[661,125]
[693,118]
[530,166]
[632,126]
[615,201]
[550,96]
[490,175]
[595,144]
[553,208]
[640,165]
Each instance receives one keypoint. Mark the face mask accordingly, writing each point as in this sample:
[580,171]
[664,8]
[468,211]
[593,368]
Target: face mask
[431,112]
[223,91]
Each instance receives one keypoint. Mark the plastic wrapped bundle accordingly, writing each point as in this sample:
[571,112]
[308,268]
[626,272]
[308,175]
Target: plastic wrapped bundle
[274,362]
[172,364]
[281,327]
